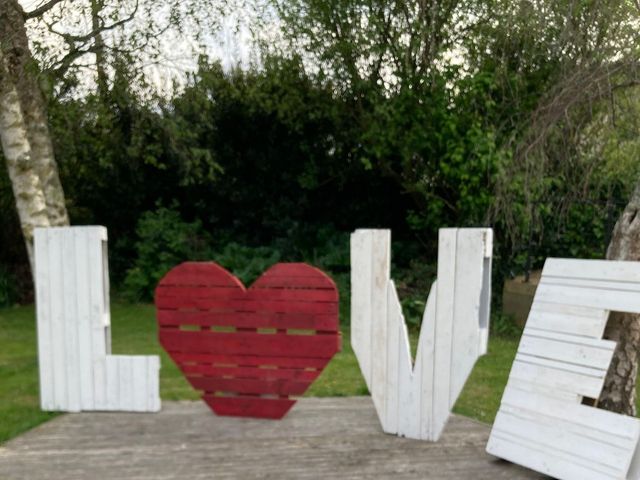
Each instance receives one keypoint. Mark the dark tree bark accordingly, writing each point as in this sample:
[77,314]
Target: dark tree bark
[619,392]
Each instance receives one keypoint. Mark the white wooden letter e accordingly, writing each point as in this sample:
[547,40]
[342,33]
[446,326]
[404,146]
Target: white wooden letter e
[542,423]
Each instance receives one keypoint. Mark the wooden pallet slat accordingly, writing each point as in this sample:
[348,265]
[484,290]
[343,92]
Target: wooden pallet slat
[249,360]
[257,386]
[249,343]
[257,372]
[253,294]
[293,321]
[260,306]
[238,406]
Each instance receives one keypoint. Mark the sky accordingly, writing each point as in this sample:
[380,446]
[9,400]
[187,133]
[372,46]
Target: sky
[230,41]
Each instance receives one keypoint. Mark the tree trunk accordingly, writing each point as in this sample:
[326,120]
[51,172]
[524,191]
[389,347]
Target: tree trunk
[24,72]
[98,42]
[619,392]
[27,189]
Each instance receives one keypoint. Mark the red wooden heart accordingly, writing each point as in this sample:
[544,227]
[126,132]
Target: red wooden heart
[248,350]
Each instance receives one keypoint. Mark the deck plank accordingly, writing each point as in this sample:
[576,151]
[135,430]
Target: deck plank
[321,438]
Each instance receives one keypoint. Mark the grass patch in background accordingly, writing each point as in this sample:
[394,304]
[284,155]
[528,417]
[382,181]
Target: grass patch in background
[481,395]
[19,400]
[134,333]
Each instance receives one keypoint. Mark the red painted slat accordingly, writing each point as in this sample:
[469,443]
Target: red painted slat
[249,343]
[256,320]
[232,293]
[273,408]
[294,270]
[249,385]
[268,282]
[252,372]
[200,273]
[281,362]
[316,308]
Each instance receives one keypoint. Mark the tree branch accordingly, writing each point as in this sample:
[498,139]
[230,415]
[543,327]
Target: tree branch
[67,61]
[69,38]
[42,9]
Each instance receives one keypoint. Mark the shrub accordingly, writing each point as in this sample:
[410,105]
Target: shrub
[7,288]
[504,325]
[164,241]
[246,263]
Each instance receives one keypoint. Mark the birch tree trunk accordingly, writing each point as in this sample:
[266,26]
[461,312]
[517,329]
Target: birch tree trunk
[24,72]
[27,189]
[619,393]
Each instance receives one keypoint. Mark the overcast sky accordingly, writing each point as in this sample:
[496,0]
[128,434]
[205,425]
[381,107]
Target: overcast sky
[231,43]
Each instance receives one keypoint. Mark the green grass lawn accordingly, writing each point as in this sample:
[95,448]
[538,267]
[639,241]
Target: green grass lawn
[134,332]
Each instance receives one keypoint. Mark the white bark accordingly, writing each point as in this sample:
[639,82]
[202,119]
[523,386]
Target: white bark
[23,71]
[44,162]
[27,188]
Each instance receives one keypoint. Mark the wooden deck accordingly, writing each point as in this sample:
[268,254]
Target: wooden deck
[319,439]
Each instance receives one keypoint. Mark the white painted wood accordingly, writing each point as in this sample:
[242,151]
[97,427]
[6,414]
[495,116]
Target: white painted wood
[43,312]
[591,327]
[112,388]
[85,357]
[125,381]
[562,358]
[443,339]
[424,368]
[600,298]
[613,271]
[58,340]
[77,372]
[361,308]
[71,347]
[139,385]
[470,319]
[381,265]
[567,348]
[570,379]
[415,401]
[392,349]
[153,383]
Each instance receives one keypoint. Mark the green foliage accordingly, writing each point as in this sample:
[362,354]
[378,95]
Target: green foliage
[8,294]
[246,263]
[504,325]
[19,400]
[414,282]
[164,241]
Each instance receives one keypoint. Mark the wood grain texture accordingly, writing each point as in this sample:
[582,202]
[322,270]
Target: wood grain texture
[415,399]
[248,350]
[322,438]
[562,359]
[77,372]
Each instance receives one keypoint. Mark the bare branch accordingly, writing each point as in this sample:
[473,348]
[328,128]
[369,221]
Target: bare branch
[42,9]
[62,66]
[69,38]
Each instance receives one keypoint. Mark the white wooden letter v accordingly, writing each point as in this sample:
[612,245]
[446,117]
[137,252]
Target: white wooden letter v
[415,400]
